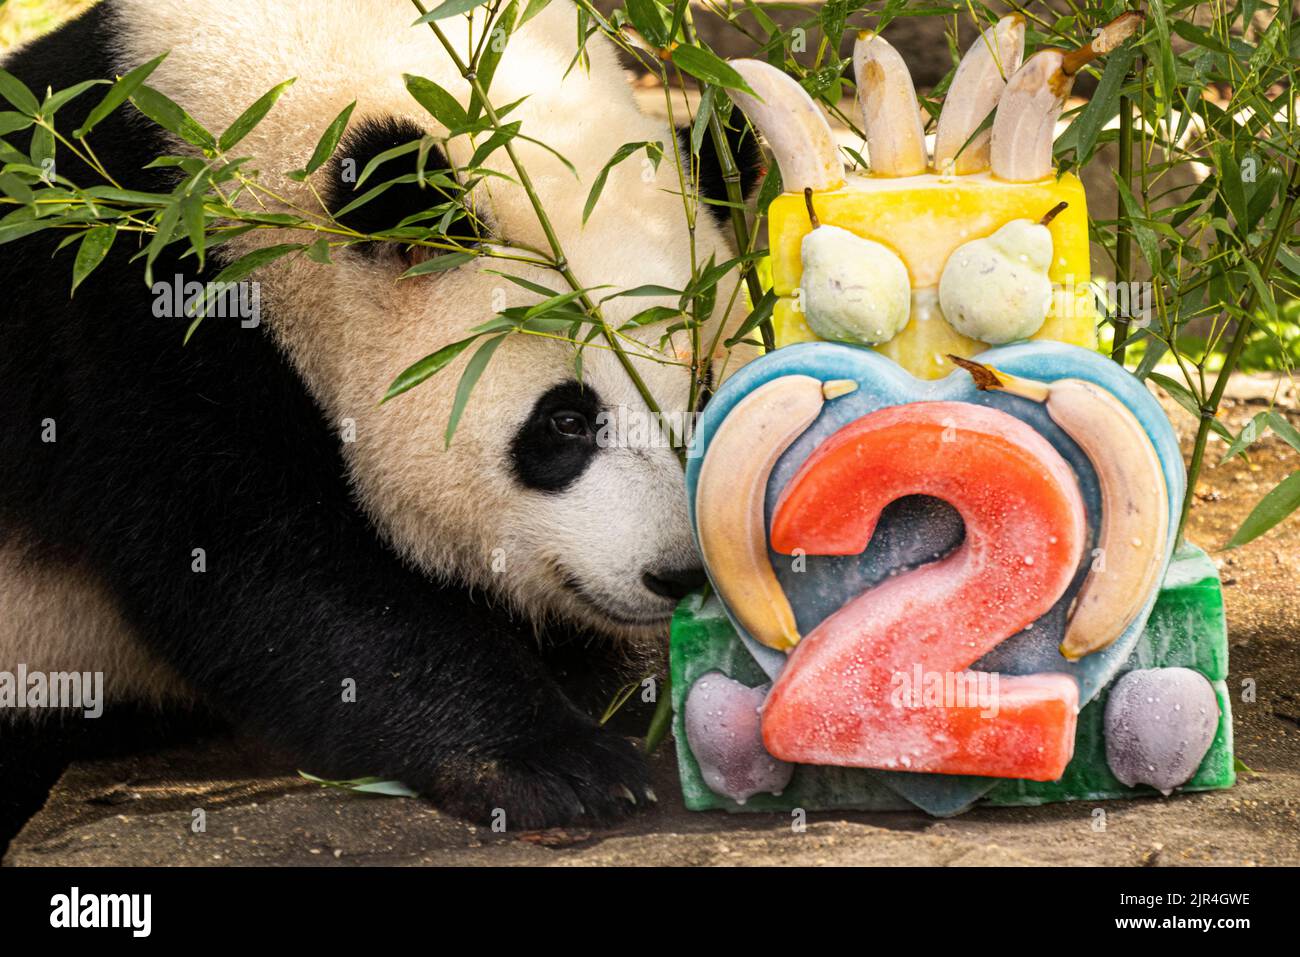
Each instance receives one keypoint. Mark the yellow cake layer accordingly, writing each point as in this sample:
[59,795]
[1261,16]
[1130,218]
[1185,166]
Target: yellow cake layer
[924,219]
[924,344]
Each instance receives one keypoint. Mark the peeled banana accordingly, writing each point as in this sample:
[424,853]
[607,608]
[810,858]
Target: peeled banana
[976,88]
[793,125]
[1134,530]
[1024,127]
[890,116]
[731,492]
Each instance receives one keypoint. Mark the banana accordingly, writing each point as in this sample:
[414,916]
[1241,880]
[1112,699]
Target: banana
[1024,126]
[976,88]
[890,116]
[1134,530]
[793,125]
[731,492]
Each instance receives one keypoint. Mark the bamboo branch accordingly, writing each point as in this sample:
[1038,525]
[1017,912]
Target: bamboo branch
[1236,346]
[561,264]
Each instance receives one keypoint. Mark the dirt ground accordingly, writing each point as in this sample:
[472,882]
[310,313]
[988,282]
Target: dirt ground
[143,810]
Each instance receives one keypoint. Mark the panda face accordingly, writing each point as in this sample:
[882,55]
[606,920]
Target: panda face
[533,502]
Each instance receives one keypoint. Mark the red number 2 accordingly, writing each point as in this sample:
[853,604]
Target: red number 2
[847,695]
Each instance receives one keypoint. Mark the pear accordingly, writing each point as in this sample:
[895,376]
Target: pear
[996,289]
[853,289]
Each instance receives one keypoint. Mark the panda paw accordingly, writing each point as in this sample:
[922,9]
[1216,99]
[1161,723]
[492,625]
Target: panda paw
[583,774]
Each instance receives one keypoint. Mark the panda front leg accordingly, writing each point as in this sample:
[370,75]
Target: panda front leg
[326,646]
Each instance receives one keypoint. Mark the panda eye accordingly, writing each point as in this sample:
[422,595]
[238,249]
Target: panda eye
[556,443]
[571,425]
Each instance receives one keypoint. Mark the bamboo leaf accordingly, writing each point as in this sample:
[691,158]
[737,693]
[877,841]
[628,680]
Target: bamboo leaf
[761,313]
[702,115]
[1166,72]
[704,65]
[167,222]
[11,231]
[249,119]
[426,367]
[1246,437]
[195,222]
[1284,429]
[329,141]
[501,29]
[648,18]
[1104,104]
[533,9]
[55,100]
[369,785]
[94,248]
[1184,398]
[450,8]
[11,122]
[1272,508]
[444,107]
[238,270]
[469,378]
[395,153]
[319,251]
[248,263]
[439,263]
[15,188]
[120,92]
[171,117]
[15,91]
[655,152]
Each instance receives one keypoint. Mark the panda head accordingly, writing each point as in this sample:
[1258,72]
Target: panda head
[553,495]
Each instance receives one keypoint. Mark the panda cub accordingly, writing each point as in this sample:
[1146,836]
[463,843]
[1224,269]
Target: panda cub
[237,523]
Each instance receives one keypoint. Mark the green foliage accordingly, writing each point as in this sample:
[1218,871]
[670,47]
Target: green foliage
[1200,107]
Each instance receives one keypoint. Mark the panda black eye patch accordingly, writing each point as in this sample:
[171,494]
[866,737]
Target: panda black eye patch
[369,139]
[557,441]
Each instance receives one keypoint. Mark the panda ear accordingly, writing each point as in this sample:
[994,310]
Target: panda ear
[366,141]
[744,151]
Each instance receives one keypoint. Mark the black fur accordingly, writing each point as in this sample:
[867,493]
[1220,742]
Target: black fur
[557,441]
[744,152]
[368,139]
[164,448]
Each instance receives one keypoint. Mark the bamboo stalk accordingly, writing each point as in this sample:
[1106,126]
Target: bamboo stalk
[561,264]
[1123,233]
[731,180]
[1235,348]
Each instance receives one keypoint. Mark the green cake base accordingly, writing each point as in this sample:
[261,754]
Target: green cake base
[1186,629]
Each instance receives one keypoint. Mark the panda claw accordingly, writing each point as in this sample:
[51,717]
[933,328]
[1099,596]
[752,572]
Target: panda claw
[578,771]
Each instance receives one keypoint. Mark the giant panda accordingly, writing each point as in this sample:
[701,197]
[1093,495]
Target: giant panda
[192,521]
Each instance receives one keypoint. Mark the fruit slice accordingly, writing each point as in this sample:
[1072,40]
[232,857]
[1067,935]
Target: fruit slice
[793,125]
[1024,127]
[858,690]
[976,88]
[731,492]
[890,116]
[1134,532]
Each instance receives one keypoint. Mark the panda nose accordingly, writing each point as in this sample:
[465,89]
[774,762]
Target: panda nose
[674,583]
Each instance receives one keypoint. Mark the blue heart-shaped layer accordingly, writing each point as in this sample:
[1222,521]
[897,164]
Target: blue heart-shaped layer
[917,530]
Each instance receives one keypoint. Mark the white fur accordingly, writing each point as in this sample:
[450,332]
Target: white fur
[351,327]
[59,618]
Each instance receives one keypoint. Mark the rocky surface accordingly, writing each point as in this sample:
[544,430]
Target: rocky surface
[141,810]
